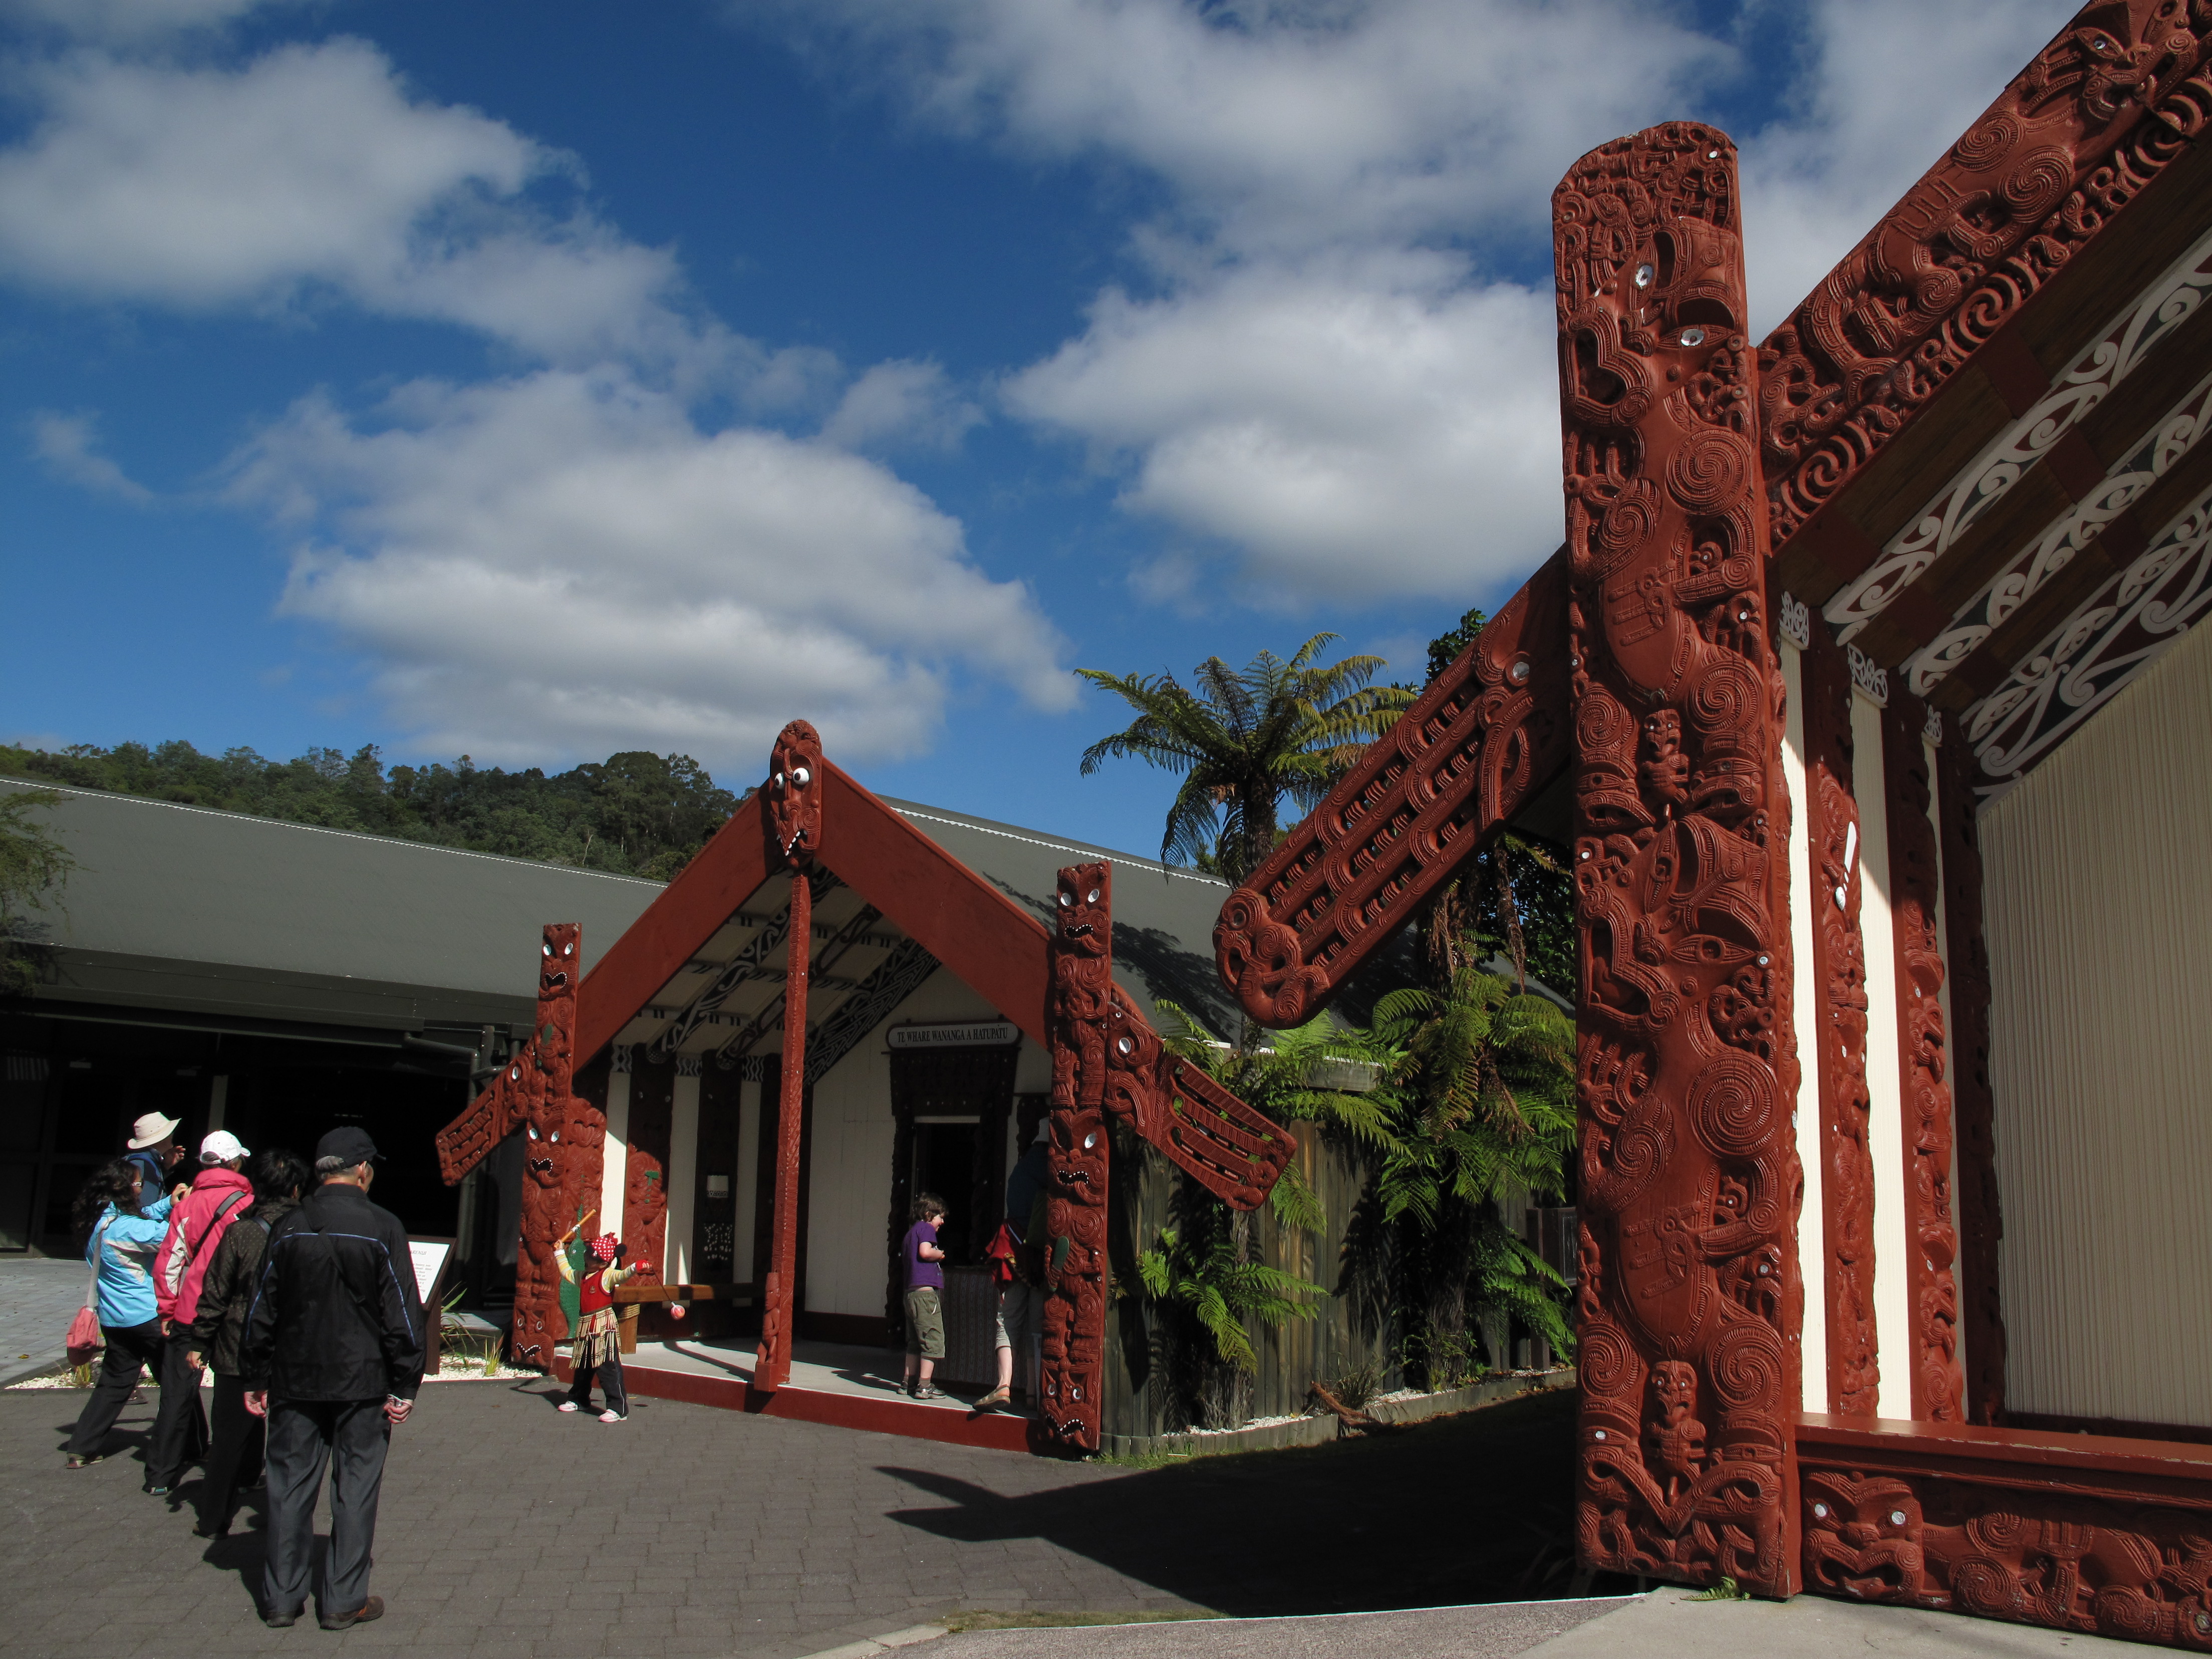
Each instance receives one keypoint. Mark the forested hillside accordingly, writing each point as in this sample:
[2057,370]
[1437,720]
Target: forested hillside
[635,813]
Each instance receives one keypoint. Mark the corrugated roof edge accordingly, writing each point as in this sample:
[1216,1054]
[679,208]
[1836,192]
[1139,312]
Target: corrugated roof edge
[321,829]
[960,821]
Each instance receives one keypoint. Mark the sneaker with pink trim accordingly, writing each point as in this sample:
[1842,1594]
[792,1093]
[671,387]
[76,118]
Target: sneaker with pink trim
[567,1405]
[612,1417]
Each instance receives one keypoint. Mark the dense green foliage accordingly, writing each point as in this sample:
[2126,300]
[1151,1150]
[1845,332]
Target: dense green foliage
[633,814]
[1246,741]
[32,864]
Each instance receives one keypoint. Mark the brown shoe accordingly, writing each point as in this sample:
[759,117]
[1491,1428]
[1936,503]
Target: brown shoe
[372,1608]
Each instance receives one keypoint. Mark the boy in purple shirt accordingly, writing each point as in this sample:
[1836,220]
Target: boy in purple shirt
[924,1281]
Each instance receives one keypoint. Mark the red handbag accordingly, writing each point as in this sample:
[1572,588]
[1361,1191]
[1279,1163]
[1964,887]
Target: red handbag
[84,1338]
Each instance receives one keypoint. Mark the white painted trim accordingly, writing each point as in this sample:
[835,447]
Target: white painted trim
[682,1178]
[748,1179]
[1893,1284]
[1805,1017]
[614,1159]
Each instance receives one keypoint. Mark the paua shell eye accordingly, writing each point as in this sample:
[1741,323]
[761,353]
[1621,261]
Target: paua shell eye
[1093,899]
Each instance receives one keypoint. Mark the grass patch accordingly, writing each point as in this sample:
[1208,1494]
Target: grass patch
[960,1623]
[1151,1460]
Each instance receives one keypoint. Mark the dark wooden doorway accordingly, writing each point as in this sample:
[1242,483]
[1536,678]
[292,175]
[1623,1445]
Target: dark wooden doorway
[950,1106]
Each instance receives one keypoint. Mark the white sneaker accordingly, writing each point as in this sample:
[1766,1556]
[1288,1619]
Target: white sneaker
[612,1417]
[567,1405]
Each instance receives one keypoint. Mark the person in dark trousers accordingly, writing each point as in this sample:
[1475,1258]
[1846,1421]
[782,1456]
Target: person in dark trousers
[120,1251]
[218,1195]
[234,1448]
[333,1357]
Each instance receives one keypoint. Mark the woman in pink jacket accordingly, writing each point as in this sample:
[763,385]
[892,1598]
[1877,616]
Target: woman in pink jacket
[220,1194]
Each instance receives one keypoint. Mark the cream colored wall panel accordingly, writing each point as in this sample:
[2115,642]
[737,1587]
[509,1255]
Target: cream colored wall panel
[748,1179]
[847,1255]
[614,1157]
[1892,1283]
[683,1176]
[1804,1016]
[2101,1056]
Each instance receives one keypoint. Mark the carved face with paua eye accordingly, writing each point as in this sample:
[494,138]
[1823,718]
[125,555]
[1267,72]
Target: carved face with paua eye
[1085,907]
[557,965]
[794,792]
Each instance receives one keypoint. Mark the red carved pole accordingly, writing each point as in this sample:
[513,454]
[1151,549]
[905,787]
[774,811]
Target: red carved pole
[535,1091]
[1981,1219]
[793,799]
[1839,965]
[1932,1239]
[1689,1172]
[1077,1009]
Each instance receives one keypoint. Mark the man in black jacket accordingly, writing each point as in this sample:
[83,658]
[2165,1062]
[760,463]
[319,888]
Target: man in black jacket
[332,1356]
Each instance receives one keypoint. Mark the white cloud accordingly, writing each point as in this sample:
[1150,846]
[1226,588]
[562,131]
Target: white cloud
[1359,429]
[552,564]
[903,404]
[128,20]
[68,446]
[1315,389]
[311,172]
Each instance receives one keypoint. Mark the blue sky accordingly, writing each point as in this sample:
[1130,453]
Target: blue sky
[536,381]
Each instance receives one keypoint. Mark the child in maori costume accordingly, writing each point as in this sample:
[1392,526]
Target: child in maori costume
[594,1346]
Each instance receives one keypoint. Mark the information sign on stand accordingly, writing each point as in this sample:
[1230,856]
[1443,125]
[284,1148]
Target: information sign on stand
[431,1257]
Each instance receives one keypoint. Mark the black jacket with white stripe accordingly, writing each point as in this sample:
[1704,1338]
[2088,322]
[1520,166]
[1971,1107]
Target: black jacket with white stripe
[336,1315]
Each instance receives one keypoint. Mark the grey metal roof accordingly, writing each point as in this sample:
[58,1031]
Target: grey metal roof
[223,914]
[1163,916]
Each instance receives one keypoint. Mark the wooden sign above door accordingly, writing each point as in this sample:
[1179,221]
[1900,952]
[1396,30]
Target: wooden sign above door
[966,1034]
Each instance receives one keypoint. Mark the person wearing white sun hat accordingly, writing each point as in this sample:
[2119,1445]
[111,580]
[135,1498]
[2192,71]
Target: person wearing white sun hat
[153,1148]
[220,1193]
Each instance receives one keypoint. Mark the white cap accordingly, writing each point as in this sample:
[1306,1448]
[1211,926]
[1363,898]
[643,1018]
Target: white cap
[221,1147]
[151,1130]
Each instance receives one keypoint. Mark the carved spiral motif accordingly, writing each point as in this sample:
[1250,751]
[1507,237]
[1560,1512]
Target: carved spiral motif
[1745,1364]
[1628,523]
[1981,1585]
[2123,1611]
[1709,472]
[1605,1363]
[1987,140]
[1602,725]
[2037,183]
[1728,698]
[1732,1105]
[2000,1530]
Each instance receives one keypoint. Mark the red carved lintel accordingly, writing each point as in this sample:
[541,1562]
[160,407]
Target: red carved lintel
[1915,897]
[1690,1179]
[1981,1219]
[795,793]
[1839,970]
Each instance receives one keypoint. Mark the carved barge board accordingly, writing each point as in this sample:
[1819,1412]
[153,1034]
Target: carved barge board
[1931,1228]
[1480,742]
[1690,1179]
[1847,1181]
[1981,1219]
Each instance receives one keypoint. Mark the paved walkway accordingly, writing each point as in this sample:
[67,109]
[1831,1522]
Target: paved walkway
[1665,1625]
[39,1296]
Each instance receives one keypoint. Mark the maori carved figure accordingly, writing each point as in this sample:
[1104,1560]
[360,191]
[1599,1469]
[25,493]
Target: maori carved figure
[2099,115]
[2063,1555]
[1938,1389]
[794,804]
[1689,1178]
[1839,962]
[1481,742]
[1981,1222]
[534,1092]
[1107,1063]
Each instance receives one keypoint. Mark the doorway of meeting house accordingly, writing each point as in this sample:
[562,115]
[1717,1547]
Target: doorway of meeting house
[950,1108]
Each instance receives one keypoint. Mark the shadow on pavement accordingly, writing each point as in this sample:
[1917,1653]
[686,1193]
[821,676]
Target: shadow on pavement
[1475,1507]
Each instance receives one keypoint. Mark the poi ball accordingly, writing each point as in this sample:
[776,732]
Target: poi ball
[676,1311]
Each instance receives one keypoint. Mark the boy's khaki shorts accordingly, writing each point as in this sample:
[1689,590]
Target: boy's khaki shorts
[925,1323]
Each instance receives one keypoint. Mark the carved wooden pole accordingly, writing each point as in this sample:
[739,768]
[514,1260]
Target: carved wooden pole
[1690,1310]
[794,809]
[1078,1017]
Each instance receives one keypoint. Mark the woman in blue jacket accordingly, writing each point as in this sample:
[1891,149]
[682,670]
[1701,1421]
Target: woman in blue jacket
[121,1250]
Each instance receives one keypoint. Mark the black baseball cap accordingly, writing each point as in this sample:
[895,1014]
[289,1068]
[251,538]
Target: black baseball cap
[349,1146]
